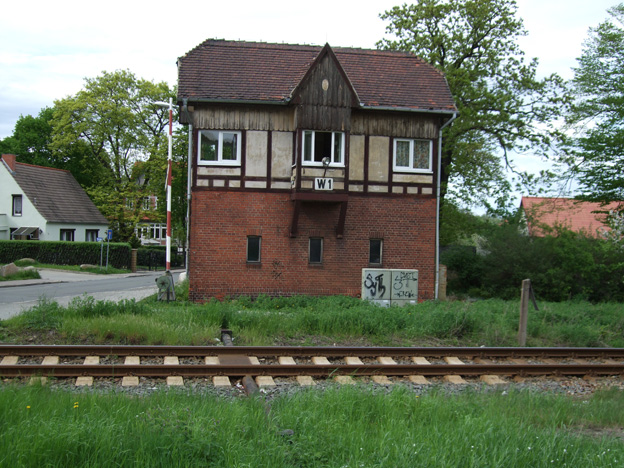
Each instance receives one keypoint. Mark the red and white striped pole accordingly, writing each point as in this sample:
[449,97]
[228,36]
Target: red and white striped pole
[168,183]
[169,175]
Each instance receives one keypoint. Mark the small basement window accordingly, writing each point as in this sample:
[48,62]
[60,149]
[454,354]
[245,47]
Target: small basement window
[219,148]
[375,249]
[316,250]
[319,145]
[253,249]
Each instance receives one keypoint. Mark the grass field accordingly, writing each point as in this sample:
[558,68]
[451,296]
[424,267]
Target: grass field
[338,427]
[352,426]
[317,321]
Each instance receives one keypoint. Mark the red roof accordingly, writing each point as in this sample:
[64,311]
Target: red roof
[219,70]
[575,215]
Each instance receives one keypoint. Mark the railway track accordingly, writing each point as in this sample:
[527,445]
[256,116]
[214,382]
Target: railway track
[305,364]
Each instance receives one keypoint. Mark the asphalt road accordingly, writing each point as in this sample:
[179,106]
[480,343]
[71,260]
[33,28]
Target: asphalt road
[61,287]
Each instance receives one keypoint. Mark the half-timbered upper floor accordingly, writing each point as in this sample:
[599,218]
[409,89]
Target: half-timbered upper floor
[315,121]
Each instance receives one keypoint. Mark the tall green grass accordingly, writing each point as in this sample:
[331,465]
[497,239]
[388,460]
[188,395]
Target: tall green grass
[338,427]
[326,320]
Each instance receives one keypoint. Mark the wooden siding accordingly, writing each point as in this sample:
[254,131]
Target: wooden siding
[399,125]
[324,98]
[252,117]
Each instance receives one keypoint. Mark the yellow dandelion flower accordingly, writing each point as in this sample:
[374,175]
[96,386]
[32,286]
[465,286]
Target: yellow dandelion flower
[28,407]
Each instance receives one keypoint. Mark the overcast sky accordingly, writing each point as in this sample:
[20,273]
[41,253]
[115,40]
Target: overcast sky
[47,48]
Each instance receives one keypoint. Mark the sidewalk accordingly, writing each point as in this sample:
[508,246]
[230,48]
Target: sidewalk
[51,276]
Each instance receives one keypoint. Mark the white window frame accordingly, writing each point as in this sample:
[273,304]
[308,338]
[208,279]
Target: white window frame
[220,161]
[411,167]
[17,200]
[332,157]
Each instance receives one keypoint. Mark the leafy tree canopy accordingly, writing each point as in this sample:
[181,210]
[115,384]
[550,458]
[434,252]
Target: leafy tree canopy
[502,104]
[596,152]
[115,118]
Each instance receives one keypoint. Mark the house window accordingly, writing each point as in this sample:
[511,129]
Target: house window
[17,205]
[219,148]
[413,155]
[67,235]
[91,235]
[253,249]
[316,250]
[320,145]
[375,249]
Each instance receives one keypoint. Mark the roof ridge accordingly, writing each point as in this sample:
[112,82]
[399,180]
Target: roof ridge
[43,167]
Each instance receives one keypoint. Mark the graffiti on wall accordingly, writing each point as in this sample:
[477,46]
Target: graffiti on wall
[390,286]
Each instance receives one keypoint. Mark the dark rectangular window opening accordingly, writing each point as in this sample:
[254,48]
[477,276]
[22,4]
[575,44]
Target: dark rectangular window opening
[316,250]
[67,235]
[253,249]
[91,235]
[374,257]
[17,205]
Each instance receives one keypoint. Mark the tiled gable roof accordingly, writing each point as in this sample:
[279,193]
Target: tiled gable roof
[57,195]
[218,70]
[575,215]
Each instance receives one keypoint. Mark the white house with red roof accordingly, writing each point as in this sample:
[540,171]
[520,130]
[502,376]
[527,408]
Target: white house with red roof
[44,203]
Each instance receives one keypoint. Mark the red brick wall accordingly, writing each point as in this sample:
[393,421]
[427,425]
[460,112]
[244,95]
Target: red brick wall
[221,222]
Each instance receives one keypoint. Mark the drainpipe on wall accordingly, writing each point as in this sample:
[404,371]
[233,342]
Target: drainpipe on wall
[437,242]
[188,182]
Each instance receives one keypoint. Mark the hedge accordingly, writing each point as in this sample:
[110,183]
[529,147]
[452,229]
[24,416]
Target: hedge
[65,253]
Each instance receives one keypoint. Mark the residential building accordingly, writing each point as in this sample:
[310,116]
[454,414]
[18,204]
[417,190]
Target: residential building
[309,164]
[43,203]
[545,216]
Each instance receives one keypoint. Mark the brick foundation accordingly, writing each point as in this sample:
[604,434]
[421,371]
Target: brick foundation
[221,222]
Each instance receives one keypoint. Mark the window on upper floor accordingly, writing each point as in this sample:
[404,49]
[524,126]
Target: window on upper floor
[320,145]
[220,148]
[412,155]
[17,205]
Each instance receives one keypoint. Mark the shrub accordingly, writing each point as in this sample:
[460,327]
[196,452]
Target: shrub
[65,253]
[562,267]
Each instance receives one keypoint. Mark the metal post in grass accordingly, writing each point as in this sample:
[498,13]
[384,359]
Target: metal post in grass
[524,312]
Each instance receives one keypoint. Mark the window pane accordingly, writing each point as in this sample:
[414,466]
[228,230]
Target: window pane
[338,147]
[322,146]
[253,249]
[422,149]
[17,205]
[316,250]
[307,146]
[375,251]
[230,147]
[402,153]
[209,147]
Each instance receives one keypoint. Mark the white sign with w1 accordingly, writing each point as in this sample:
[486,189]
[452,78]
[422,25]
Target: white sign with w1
[323,183]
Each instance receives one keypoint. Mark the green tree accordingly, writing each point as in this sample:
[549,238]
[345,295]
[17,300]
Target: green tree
[503,106]
[31,143]
[115,117]
[596,152]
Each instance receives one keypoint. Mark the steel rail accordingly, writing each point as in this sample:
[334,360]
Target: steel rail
[305,351]
[276,370]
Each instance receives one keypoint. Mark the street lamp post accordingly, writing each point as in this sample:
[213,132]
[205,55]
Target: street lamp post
[168,183]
